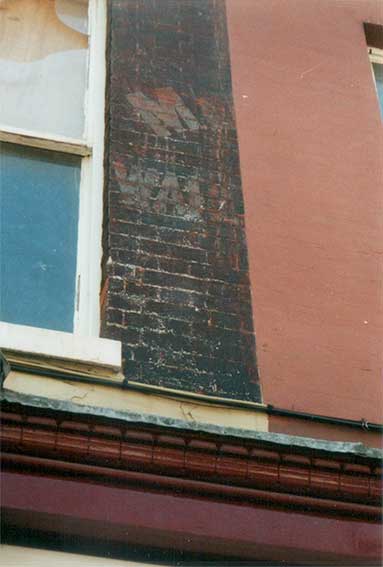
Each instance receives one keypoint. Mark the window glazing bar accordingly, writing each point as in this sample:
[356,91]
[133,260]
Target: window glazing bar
[42,141]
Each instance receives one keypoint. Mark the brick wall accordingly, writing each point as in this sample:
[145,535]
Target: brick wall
[175,262]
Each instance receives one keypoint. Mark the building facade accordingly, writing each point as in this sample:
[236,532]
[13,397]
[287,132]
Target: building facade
[191,280]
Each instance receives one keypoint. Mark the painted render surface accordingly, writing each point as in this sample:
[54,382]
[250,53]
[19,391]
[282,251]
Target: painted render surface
[310,138]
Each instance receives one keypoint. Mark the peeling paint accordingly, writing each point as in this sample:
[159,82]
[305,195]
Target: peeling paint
[165,114]
[161,194]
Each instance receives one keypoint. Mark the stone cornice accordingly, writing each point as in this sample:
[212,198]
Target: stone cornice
[191,462]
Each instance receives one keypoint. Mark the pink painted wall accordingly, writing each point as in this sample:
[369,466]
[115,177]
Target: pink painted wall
[311,150]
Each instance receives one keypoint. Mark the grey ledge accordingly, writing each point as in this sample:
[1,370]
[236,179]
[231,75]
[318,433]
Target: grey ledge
[340,447]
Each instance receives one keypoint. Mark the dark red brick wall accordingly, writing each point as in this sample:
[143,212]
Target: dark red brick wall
[176,269]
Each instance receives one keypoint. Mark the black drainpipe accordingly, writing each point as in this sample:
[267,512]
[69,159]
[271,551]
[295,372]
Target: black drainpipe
[269,409]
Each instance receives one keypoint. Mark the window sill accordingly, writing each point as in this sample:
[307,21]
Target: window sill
[91,357]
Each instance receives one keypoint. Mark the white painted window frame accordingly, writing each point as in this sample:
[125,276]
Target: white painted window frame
[55,345]
[89,252]
[89,246]
[375,55]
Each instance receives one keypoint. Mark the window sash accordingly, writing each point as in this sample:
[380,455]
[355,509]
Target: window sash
[376,58]
[44,142]
[91,148]
[375,55]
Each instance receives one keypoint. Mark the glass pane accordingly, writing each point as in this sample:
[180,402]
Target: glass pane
[378,72]
[43,60]
[39,200]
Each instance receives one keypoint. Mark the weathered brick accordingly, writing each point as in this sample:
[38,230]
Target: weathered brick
[116,285]
[162,279]
[115,316]
[174,311]
[178,295]
[182,297]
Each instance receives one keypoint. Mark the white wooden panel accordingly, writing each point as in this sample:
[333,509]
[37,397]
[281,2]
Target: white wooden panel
[64,346]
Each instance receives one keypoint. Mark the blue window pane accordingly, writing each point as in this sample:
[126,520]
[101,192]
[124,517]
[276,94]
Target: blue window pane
[39,200]
[378,72]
